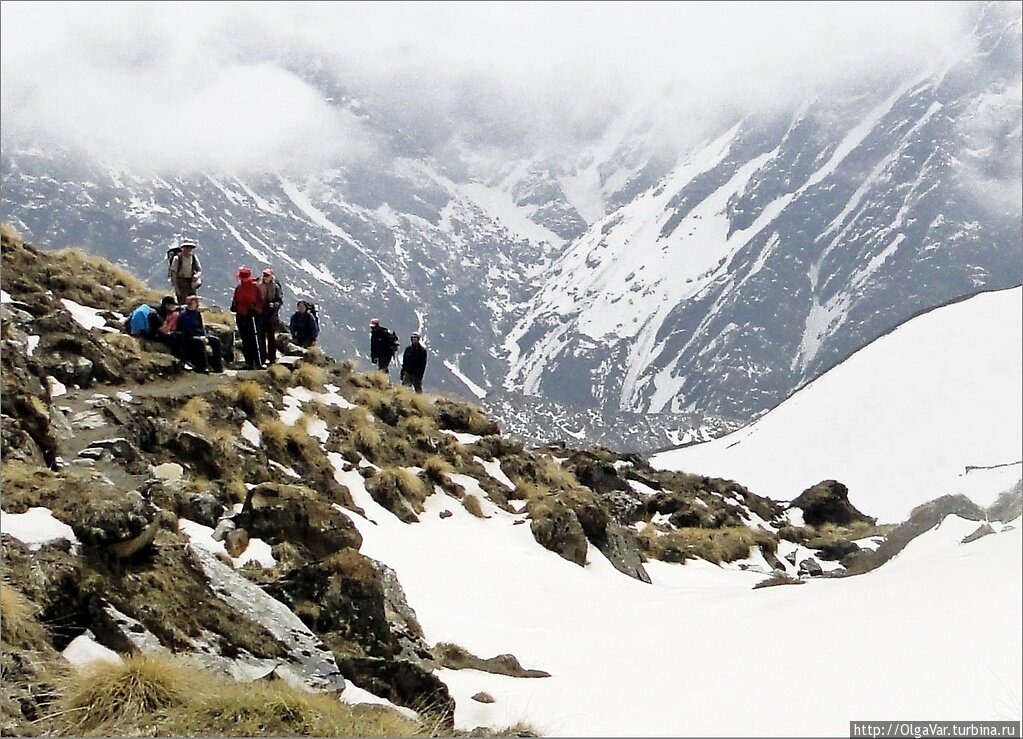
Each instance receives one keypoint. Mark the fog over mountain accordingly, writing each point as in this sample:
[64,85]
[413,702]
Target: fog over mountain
[226,86]
[639,224]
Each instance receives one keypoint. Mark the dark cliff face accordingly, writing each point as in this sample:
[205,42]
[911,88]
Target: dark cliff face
[837,219]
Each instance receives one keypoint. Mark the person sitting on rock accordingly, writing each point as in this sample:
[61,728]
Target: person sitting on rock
[198,341]
[159,324]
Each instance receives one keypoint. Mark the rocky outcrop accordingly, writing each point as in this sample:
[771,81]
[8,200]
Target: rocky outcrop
[344,599]
[923,518]
[455,657]
[556,527]
[828,502]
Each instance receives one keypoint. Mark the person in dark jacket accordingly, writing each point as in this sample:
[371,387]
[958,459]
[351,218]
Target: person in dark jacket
[381,345]
[247,304]
[303,326]
[413,364]
[266,326]
[197,341]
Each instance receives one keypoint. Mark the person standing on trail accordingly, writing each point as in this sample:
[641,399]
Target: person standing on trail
[247,304]
[303,325]
[273,298]
[413,364]
[197,341]
[184,271]
[383,343]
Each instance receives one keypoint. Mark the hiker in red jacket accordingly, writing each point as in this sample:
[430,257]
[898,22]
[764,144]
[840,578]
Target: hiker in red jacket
[247,304]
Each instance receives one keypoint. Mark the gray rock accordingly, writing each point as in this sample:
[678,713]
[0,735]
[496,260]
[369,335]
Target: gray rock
[810,568]
[120,448]
[310,661]
[983,530]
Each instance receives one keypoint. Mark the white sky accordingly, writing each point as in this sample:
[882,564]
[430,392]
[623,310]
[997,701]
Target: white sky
[211,84]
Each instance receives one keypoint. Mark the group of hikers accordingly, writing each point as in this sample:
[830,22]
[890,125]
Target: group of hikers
[177,322]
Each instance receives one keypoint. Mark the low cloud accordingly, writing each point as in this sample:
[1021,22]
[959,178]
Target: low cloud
[254,86]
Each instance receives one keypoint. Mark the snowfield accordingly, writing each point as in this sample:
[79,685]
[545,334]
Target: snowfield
[935,407]
[932,635]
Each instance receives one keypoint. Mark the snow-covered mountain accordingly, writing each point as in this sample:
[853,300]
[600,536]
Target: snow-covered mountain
[933,408]
[703,283]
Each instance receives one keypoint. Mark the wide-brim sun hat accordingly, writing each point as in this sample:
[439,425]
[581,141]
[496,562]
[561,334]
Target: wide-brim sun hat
[243,274]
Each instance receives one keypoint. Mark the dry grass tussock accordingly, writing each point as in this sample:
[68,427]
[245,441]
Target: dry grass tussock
[309,376]
[416,426]
[168,697]
[101,272]
[399,491]
[315,355]
[727,544]
[372,379]
[472,504]
[364,434]
[417,402]
[248,397]
[550,473]
[279,375]
[436,468]
[195,412]
[18,624]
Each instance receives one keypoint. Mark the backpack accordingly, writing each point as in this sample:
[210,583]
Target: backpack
[393,337]
[310,308]
[138,320]
[175,251]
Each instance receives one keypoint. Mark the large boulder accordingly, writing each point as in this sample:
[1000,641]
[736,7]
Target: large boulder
[828,502]
[117,523]
[556,527]
[280,513]
[345,599]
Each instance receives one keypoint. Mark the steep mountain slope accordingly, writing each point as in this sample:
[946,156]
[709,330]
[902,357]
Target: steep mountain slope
[762,259]
[706,281]
[934,408]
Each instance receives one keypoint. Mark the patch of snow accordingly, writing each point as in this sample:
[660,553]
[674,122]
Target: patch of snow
[32,343]
[251,434]
[201,536]
[84,651]
[462,438]
[36,527]
[354,695]
[86,317]
[493,468]
[473,387]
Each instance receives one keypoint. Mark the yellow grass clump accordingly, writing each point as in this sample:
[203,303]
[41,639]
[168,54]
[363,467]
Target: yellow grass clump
[416,426]
[309,376]
[249,396]
[726,544]
[550,473]
[168,697]
[436,468]
[279,374]
[274,433]
[195,412]
[18,626]
[417,402]
[365,436]
[472,504]
[373,378]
